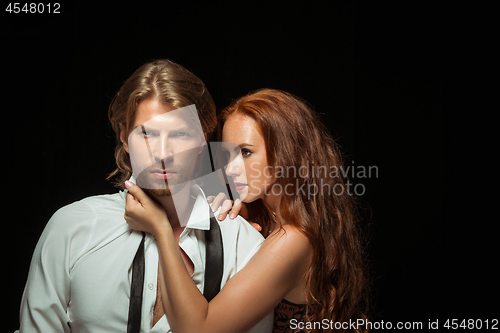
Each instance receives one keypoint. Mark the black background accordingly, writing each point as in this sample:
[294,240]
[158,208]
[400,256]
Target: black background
[373,72]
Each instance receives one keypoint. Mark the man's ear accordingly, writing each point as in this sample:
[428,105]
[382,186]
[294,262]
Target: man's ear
[123,137]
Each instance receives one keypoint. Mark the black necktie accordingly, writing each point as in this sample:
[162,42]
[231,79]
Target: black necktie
[135,306]
[214,264]
[214,260]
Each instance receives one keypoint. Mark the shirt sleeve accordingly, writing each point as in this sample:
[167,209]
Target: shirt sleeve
[249,242]
[241,241]
[47,291]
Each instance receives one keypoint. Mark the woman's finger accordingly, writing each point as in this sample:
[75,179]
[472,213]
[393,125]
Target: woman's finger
[236,208]
[256,226]
[219,199]
[244,211]
[131,203]
[226,207]
[239,208]
[137,192]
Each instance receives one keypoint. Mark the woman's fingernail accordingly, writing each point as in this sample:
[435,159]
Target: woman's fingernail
[128,184]
[232,216]
[220,217]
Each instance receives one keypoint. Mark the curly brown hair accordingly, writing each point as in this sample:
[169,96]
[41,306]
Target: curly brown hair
[171,84]
[295,138]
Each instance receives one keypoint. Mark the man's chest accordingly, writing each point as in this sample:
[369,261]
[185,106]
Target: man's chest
[101,281]
[159,311]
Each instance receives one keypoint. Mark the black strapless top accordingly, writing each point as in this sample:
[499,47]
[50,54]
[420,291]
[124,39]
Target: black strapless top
[286,311]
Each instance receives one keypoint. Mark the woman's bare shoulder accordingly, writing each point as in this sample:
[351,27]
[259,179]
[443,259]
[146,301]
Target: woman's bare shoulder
[288,239]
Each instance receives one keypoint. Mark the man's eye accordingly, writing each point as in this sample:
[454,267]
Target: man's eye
[144,131]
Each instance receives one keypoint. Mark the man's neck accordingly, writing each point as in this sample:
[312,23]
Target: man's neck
[178,207]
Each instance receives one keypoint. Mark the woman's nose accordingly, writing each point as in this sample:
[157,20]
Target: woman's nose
[234,167]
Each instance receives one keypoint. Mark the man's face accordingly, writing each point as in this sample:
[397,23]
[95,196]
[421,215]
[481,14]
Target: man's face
[164,147]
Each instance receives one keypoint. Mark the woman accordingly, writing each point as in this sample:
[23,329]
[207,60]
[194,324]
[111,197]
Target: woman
[310,266]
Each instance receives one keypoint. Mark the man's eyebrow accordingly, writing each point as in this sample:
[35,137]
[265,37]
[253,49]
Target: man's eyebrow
[145,126]
[183,129]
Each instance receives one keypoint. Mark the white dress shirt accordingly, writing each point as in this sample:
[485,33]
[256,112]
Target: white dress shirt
[81,270]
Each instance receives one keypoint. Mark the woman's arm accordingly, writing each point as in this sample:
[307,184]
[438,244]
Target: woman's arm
[245,299]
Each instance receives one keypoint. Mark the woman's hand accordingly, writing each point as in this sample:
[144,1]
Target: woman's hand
[142,213]
[228,207]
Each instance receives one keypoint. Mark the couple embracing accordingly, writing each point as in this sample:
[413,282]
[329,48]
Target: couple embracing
[161,256]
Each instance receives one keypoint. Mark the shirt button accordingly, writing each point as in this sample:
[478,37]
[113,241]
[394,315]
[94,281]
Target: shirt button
[151,286]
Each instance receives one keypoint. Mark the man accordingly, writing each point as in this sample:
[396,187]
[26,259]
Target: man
[85,266]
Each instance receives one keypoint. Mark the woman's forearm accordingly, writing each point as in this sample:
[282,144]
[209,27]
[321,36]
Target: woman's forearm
[184,305]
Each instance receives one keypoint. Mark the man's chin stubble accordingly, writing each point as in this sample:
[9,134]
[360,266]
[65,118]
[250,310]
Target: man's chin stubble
[157,192]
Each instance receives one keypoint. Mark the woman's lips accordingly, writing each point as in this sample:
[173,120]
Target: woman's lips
[240,186]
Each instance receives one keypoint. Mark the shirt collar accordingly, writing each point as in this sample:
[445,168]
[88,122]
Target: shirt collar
[200,215]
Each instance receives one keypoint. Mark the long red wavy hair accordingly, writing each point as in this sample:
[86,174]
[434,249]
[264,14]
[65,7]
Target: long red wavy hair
[295,138]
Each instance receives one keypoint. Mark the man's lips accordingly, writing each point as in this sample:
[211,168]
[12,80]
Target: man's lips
[240,186]
[163,174]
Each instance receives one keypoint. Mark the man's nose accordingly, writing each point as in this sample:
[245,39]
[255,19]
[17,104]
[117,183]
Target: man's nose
[163,149]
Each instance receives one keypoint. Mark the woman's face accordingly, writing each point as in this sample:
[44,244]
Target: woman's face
[249,170]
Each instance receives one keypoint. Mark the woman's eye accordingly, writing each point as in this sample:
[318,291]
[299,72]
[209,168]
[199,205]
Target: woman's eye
[182,134]
[245,152]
